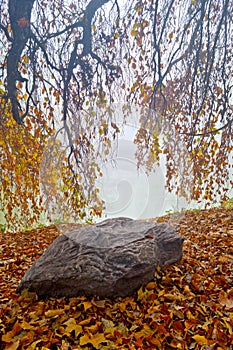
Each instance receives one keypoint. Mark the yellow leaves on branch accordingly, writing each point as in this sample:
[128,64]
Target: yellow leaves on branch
[25,59]
[21,149]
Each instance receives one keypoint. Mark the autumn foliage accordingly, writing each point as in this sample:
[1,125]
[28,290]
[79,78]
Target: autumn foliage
[21,148]
[186,306]
[59,58]
[174,57]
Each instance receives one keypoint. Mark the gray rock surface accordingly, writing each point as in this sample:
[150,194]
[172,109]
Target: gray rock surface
[110,259]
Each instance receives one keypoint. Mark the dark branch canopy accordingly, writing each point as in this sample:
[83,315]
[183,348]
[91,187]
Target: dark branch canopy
[22,34]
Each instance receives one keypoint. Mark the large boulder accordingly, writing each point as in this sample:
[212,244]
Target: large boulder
[110,259]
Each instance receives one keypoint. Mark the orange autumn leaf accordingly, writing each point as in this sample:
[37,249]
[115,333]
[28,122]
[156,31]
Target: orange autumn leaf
[8,337]
[13,346]
[87,305]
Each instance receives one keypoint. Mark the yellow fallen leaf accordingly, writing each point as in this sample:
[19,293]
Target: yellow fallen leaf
[25,325]
[84,340]
[33,345]
[85,321]
[8,337]
[201,309]
[94,340]
[99,303]
[200,339]
[229,327]
[54,313]
[161,292]
[72,326]
[87,305]
[172,297]
[94,328]
[190,316]
[110,330]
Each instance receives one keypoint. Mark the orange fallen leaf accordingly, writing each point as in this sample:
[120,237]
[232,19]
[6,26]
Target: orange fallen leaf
[87,305]
[13,346]
[86,321]
[9,336]
[151,286]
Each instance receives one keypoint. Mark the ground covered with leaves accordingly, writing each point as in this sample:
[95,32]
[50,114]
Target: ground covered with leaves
[187,306]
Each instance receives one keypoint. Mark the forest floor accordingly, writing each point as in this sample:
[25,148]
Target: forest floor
[187,305]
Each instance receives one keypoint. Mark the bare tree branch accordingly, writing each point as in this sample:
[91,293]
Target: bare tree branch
[20,16]
[6,32]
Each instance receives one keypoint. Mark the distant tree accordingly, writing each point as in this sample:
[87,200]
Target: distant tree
[174,56]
